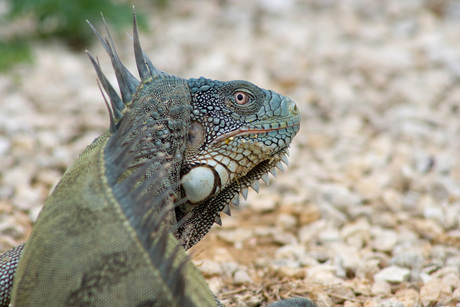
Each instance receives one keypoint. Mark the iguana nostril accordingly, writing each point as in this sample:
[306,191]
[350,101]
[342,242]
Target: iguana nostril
[292,107]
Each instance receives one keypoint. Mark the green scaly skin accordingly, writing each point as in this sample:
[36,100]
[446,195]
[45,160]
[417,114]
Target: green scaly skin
[111,233]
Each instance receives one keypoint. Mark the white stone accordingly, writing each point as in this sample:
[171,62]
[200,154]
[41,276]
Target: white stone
[241,277]
[381,287]
[393,274]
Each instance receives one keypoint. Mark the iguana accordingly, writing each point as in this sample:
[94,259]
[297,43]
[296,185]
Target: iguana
[177,152]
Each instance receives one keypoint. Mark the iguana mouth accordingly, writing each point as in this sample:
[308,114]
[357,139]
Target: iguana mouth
[247,131]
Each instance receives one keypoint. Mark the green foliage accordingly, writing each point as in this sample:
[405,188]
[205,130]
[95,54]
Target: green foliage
[67,19]
[13,52]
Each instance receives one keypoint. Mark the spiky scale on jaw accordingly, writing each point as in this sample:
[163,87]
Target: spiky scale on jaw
[255,186]
[266,179]
[285,160]
[236,200]
[227,210]
[280,166]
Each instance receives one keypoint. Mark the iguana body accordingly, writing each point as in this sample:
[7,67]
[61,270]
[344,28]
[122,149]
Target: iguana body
[176,154]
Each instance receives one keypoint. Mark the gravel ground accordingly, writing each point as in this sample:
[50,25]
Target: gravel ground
[368,213]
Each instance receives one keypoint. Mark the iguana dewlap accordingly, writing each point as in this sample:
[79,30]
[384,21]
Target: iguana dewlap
[176,154]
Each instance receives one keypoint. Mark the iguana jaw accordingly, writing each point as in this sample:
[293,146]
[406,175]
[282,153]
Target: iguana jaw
[251,179]
[197,218]
[260,171]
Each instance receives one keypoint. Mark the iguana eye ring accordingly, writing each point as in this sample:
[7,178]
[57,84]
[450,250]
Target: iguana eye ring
[241,97]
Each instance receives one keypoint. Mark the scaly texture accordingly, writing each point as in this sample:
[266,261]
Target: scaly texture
[8,265]
[176,153]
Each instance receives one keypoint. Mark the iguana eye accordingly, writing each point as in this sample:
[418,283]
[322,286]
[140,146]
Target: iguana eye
[241,98]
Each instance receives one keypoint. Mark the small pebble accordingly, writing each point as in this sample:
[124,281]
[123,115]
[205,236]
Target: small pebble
[210,268]
[381,287]
[241,277]
[435,291]
[393,274]
[409,297]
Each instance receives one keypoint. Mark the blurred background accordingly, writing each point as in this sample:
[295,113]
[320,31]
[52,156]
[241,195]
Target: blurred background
[368,212]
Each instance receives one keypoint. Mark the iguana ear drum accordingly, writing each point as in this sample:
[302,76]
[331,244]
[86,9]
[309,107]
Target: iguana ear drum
[200,183]
[196,134]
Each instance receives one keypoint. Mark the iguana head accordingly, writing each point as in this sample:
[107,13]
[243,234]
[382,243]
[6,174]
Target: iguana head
[238,133]
[218,139]
[234,127]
